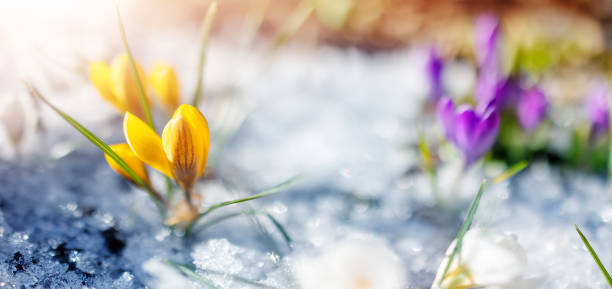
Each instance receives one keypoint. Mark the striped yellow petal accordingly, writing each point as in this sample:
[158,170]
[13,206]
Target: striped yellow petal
[146,144]
[123,85]
[165,85]
[126,153]
[99,73]
[183,148]
[197,123]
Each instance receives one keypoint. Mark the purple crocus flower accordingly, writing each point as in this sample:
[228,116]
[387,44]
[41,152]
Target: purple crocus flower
[597,108]
[472,133]
[486,33]
[434,73]
[531,108]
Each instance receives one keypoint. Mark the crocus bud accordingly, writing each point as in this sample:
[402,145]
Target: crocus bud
[117,85]
[486,34]
[471,132]
[434,74]
[597,108]
[165,85]
[182,151]
[99,75]
[125,152]
[124,86]
[531,108]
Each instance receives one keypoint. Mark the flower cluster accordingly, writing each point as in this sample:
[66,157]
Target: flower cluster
[115,83]
[182,150]
[473,130]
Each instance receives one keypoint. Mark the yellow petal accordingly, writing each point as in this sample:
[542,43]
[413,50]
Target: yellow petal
[197,123]
[184,151]
[165,85]
[125,152]
[124,86]
[99,73]
[146,144]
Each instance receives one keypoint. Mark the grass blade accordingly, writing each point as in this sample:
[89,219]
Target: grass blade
[144,102]
[276,189]
[293,24]
[513,170]
[191,273]
[464,227]
[206,25]
[241,279]
[159,201]
[594,255]
[279,227]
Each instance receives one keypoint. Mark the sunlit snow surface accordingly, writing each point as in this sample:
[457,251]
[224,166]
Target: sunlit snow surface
[349,121]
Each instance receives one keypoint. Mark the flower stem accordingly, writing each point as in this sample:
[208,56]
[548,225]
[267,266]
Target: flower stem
[206,25]
[144,102]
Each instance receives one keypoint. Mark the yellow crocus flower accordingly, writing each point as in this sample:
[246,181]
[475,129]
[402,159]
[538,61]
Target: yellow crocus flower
[125,152]
[116,84]
[165,85]
[182,150]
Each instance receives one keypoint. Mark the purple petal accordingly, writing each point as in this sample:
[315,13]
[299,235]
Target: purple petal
[597,107]
[486,31]
[531,108]
[496,92]
[434,73]
[465,125]
[446,116]
[484,136]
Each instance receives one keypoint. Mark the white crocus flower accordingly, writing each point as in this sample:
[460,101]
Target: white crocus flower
[352,264]
[491,261]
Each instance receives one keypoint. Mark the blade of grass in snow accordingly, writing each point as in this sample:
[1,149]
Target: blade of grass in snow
[144,102]
[513,170]
[206,25]
[430,168]
[266,237]
[159,201]
[293,24]
[281,229]
[240,279]
[464,227]
[192,274]
[276,189]
[594,255]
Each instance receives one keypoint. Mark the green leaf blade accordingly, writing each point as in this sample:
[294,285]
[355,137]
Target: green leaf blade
[103,147]
[144,102]
[594,255]
[464,228]
[513,170]
[191,273]
[276,189]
